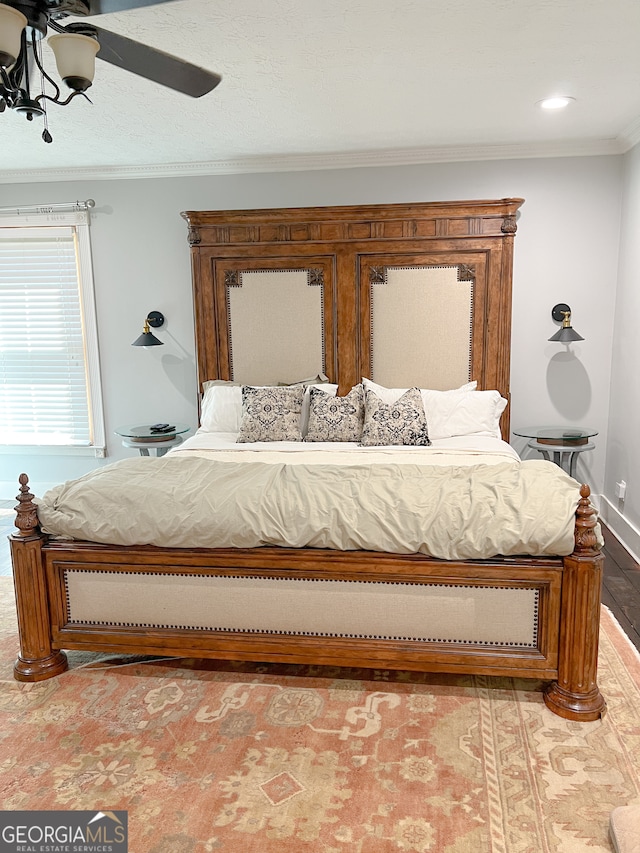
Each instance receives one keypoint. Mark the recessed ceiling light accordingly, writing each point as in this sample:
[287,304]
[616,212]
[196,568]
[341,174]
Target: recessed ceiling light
[556,103]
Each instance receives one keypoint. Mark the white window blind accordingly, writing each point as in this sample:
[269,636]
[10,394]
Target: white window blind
[49,376]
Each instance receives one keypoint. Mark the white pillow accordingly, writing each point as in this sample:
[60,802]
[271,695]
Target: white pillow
[390,395]
[461,411]
[221,409]
[211,383]
[452,413]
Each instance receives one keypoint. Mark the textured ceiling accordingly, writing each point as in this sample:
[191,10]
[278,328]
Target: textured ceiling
[316,83]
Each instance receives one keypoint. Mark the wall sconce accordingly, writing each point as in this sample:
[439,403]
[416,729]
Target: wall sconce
[147,338]
[561,313]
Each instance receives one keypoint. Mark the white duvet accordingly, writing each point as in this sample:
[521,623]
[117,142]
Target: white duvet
[462,498]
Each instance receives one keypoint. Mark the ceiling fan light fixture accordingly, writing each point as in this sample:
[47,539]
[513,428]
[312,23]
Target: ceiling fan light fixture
[12,24]
[75,59]
[23,25]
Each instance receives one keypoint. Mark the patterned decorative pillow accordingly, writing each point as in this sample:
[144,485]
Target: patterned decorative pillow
[402,422]
[335,418]
[319,379]
[271,414]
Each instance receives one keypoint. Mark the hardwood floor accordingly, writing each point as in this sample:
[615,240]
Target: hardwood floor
[621,586]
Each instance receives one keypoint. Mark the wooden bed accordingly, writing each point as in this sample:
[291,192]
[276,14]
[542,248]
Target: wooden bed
[347,255]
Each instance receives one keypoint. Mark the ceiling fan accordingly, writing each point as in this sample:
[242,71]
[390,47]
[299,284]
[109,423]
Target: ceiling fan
[24,23]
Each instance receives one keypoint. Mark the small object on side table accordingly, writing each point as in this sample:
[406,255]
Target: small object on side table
[564,442]
[162,429]
[159,437]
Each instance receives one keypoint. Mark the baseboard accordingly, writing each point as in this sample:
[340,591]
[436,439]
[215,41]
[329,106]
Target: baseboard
[627,533]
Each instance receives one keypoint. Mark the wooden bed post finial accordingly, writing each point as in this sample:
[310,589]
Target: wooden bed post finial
[26,511]
[586,522]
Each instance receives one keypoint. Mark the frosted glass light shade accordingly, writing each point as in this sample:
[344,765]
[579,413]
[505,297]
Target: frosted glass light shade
[75,58]
[12,23]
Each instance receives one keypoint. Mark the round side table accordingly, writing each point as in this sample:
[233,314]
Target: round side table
[140,437]
[564,444]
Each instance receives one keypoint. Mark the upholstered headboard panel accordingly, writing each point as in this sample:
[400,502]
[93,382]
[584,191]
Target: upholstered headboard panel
[275,325]
[415,294]
[421,326]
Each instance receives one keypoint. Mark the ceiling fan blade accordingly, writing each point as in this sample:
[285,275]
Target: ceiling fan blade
[155,65]
[104,7]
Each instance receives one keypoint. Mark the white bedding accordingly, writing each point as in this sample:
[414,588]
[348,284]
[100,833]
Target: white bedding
[462,498]
[459,450]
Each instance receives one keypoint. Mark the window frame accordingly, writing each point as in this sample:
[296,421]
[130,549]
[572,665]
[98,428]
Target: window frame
[80,221]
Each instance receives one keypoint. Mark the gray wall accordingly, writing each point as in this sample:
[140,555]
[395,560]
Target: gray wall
[566,250]
[623,456]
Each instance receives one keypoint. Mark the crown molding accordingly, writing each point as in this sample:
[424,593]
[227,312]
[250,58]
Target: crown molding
[344,160]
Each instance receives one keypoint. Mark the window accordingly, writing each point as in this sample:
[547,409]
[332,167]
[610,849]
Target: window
[50,396]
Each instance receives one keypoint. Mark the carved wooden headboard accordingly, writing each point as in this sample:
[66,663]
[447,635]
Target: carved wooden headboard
[406,294]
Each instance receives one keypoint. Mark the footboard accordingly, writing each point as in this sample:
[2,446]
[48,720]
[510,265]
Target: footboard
[526,617]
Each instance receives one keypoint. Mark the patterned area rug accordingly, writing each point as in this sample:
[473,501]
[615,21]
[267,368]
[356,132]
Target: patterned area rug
[242,758]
